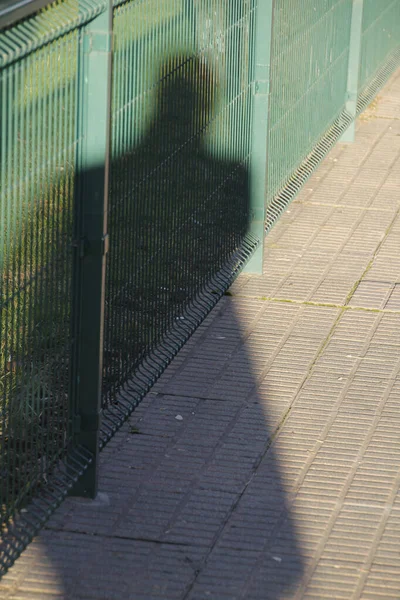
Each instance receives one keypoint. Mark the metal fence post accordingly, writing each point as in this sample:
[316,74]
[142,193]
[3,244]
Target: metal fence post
[91,197]
[354,68]
[261,73]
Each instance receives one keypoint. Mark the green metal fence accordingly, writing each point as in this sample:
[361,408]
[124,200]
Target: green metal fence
[309,75]
[328,63]
[380,39]
[144,148]
[178,206]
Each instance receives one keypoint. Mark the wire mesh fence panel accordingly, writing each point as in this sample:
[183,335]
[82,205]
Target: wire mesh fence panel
[380,38]
[309,77]
[178,209]
[312,67]
[38,65]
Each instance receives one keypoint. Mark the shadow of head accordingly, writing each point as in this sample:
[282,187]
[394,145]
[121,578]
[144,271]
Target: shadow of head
[186,94]
[178,212]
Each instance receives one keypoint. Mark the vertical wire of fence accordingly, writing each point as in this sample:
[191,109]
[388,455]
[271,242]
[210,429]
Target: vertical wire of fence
[142,144]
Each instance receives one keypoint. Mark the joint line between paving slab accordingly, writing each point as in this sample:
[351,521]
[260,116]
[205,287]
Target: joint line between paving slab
[189,492]
[366,116]
[326,220]
[376,252]
[380,118]
[317,304]
[342,206]
[236,504]
[132,538]
[371,262]
[319,444]
[350,476]
[305,469]
[262,455]
[387,509]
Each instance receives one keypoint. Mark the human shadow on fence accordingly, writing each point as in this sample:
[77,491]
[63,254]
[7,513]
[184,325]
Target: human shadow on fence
[182,507]
[177,214]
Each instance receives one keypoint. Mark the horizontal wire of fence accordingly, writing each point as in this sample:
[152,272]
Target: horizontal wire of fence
[134,190]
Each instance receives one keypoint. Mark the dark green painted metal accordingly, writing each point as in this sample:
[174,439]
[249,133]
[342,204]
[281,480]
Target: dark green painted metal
[354,68]
[261,74]
[91,200]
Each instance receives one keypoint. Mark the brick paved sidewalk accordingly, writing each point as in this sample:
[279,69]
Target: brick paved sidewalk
[265,464]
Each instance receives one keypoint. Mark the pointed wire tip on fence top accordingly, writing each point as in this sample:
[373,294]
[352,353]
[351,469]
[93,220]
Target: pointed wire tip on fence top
[20,35]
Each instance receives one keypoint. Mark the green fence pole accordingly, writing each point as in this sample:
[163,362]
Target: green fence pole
[261,72]
[91,196]
[354,68]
